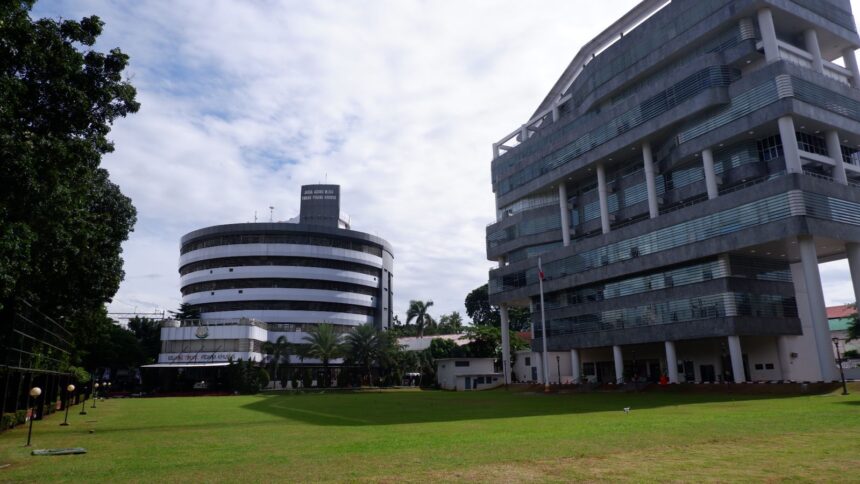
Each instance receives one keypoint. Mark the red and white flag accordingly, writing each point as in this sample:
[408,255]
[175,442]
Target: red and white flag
[540,270]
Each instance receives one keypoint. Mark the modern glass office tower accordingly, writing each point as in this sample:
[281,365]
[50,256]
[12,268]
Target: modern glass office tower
[681,181]
[256,282]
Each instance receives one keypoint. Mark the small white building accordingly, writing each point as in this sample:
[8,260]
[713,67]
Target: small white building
[463,374]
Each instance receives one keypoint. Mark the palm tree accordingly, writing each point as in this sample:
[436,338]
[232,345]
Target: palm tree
[363,346]
[325,345]
[280,349]
[418,312]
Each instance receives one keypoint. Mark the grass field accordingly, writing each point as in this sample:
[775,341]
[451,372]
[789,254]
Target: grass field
[441,436]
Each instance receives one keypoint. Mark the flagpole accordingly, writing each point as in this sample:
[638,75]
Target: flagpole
[543,329]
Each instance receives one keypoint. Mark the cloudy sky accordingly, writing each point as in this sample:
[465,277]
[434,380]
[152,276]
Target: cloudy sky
[397,101]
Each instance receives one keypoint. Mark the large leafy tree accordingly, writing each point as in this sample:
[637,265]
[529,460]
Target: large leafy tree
[148,333]
[324,344]
[450,323]
[483,314]
[62,221]
[418,311]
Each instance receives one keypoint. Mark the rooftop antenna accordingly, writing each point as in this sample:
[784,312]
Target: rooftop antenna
[255,216]
[271,213]
[326,177]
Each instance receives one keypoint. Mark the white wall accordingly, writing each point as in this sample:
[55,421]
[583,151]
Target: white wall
[762,351]
[524,372]
[447,371]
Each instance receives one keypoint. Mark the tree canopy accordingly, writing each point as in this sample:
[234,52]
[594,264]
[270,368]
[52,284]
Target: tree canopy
[62,221]
[483,314]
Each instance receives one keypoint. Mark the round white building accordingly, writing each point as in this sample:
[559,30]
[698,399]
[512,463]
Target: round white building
[266,280]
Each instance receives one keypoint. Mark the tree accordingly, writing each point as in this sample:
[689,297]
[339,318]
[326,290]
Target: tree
[110,345]
[418,311]
[854,325]
[324,344]
[450,323]
[442,348]
[363,346]
[483,314]
[486,342]
[148,334]
[62,221]
[185,312]
[279,350]
[393,359]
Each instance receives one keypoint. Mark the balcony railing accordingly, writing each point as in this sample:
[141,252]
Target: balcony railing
[184,323]
[803,58]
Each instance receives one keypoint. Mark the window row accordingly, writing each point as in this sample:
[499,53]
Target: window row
[275,282]
[677,311]
[297,239]
[680,276]
[649,109]
[720,223]
[283,261]
[284,306]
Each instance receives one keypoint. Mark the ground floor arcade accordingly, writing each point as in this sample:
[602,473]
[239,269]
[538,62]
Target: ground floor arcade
[724,359]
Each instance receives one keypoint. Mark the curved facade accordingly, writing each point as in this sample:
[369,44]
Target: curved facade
[289,275]
[257,282]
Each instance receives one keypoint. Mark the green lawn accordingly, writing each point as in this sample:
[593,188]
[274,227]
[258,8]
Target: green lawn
[441,436]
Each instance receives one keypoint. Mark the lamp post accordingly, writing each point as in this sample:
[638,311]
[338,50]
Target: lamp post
[558,366]
[107,390]
[34,394]
[84,403]
[841,371]
[95,393]
[69,390]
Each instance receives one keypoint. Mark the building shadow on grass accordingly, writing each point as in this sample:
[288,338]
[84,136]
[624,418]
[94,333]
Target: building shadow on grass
[394,408]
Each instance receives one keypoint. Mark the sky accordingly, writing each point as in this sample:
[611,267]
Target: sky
[397,101]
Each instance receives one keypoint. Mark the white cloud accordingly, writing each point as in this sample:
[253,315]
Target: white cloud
[397,101]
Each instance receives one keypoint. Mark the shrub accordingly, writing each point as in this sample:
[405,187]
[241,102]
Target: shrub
[80,375]
[21,417]
[8,420]
[851,354]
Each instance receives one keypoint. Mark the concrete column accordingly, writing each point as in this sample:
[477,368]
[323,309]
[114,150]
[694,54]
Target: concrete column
[834,151]
[810,38]
[710,174]
[768,35]
[575,366]
[854,267]
[671,362]
[650,181]
[604,198]
[737,359]
[817,309]
[619,364]
[506,343]
[789,145]
[565,215]
[851,63]
[730,305]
